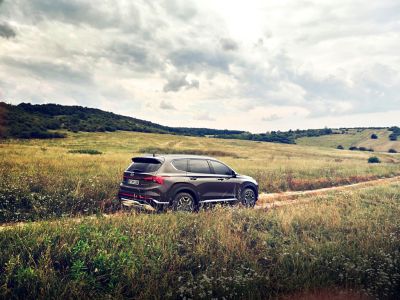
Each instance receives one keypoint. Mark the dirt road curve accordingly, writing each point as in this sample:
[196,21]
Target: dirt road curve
[267,201]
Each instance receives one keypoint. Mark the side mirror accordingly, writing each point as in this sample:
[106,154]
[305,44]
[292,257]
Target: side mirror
[233,174]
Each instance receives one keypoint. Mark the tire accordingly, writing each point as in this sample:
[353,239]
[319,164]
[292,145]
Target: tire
[248,197]
[184,202]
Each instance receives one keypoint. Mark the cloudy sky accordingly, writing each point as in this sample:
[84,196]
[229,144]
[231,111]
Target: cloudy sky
[251,65]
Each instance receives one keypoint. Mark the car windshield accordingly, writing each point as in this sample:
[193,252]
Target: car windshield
[144,165]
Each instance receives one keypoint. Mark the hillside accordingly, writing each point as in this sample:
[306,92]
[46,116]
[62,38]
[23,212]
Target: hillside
[43,121]
[39,121]
[386,139]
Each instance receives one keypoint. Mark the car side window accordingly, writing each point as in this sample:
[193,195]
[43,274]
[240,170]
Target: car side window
[220,168]
[199,166]
[181,164]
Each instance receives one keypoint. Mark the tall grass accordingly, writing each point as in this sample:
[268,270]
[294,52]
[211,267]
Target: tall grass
[348,240]
[41,179]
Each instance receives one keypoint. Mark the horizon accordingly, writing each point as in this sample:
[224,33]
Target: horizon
[250,66]
[290,129]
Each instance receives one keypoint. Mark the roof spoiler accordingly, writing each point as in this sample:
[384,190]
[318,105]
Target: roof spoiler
[147,159]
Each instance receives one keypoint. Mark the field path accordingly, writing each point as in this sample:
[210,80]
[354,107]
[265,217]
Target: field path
[268,201]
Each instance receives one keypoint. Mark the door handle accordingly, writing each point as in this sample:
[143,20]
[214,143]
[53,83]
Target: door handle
[193,178]
[220,179]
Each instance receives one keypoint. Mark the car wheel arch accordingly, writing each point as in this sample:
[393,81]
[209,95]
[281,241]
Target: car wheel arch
[183,188]
[249,185]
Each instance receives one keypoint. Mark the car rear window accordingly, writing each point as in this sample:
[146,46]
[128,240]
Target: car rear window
[144,165]
[181,164]
[199,166]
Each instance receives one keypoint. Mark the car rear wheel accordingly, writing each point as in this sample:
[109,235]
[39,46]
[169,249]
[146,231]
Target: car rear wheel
[248,197]
[184,202]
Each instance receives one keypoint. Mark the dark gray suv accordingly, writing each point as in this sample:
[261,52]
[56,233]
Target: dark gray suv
[184,183]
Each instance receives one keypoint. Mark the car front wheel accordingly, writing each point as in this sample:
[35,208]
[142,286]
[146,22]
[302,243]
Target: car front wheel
[184,202]
[248,197]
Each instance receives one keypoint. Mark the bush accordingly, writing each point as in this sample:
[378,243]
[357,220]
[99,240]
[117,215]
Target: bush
[340,147]
[374,160]
[374,136]
[392,150]
[393,137]
[85,151]
[353,148]
[362,149]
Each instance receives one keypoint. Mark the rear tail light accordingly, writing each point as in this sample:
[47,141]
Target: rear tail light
[155,179]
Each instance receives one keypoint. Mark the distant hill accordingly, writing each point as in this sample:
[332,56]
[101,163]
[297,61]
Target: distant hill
[42,120]
[364,139]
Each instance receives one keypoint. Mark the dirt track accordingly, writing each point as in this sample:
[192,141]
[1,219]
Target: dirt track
[267,201]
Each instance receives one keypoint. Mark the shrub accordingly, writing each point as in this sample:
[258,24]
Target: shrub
[340,147]
[362,149]
[85,151]
[393,137]
[353,148]
[374,160]
[392,150]
[374,136]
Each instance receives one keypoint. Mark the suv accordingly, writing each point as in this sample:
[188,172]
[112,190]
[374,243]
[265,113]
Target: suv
[184,183]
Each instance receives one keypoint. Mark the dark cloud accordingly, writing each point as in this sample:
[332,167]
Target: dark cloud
[229,45]
[182,9]
[167,106]
[6,31]
[199,60]
[178,82]
[49,71]
[140,58]
[101,14]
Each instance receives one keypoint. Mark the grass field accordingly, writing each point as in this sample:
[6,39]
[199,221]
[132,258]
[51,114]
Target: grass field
[356,138]
[342,240]
[42,179]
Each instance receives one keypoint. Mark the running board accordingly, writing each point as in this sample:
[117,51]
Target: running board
[219,200]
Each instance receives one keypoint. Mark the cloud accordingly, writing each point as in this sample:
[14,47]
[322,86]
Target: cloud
[229,45]
[6,31]
[177,82]
[166,105]
[203,116]
[270,118]
[330,59]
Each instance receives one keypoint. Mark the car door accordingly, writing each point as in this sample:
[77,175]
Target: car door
[200,175]
[226,184]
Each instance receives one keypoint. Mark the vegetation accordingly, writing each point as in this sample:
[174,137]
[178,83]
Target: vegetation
[356,138]
[392,150]
[340,147]
[40,179]
[34,121]
[285,137]
[374,136]
[85,151]
[374,160]
[347,240]
[395,133]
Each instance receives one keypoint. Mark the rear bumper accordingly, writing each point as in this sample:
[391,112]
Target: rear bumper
[130,197]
